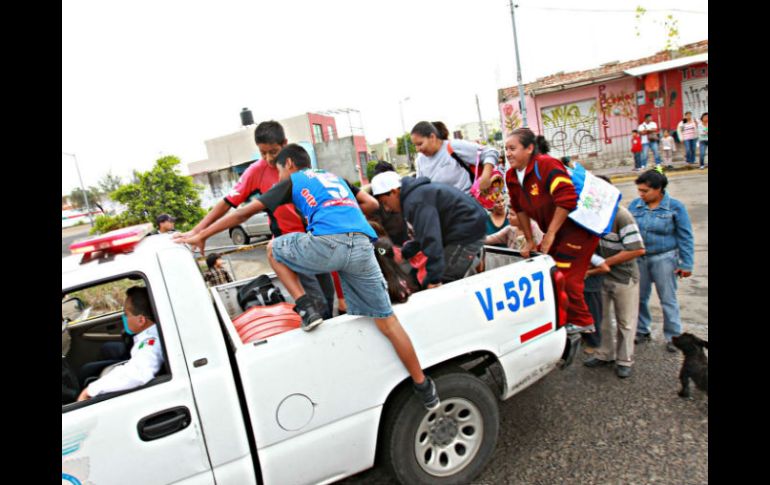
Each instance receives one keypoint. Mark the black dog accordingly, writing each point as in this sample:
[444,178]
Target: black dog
[696,364]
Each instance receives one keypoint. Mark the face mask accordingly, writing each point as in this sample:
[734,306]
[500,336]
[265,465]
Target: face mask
[125,325]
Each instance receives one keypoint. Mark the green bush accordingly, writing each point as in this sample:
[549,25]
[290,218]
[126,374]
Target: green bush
[370,169]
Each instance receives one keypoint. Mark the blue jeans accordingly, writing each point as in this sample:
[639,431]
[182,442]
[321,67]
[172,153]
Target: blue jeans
[659,269]
[637,159]
[351,255]
[689,150]
[653,145]
[704,145]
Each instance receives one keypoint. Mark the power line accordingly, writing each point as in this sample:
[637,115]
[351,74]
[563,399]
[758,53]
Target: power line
[615,10]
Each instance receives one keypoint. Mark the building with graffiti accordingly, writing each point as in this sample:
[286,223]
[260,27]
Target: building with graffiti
[588,115]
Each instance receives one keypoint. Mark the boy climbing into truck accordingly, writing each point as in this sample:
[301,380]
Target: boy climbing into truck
[338,238]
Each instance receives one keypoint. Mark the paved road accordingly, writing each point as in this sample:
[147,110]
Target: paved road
[586,426]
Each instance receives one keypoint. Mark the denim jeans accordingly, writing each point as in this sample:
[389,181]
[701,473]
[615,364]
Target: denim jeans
[659,269]
[704,145]
[637,159]
[653,145]
[689,150]
[351,255]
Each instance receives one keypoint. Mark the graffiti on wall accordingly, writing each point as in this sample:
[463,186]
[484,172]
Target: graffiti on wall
[618,104]
[511,117]
[697,98]
[695,73]
[572,129]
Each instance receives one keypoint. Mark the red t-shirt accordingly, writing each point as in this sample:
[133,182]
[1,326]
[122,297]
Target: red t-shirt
[636,144]
[258,179]
[539,198]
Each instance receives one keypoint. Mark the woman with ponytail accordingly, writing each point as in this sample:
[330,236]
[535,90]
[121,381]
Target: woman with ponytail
[541,189]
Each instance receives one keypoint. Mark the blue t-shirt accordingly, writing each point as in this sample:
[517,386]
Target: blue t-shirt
[326,201]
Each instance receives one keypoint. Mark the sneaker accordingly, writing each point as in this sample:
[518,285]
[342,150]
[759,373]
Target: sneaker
[670,347]
[623,371]
[589,350]
[594,362]
[701,167]
[642,338]
[636,169]
[311,318]
[427,392]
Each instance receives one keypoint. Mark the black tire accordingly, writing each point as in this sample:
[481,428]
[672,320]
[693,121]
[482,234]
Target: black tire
[406,415]
[239,236]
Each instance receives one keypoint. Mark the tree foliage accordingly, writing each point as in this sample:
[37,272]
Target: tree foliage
[158,191]
[410,145]
[78,198]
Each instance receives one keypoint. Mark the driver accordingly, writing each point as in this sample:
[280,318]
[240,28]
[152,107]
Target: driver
[146,353]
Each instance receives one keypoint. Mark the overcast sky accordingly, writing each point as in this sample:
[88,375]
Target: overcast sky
[142,79]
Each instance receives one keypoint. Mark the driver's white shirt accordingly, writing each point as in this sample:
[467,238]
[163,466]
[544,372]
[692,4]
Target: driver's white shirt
[146,360]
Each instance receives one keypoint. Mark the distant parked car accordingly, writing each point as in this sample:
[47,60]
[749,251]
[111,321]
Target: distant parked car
[258,225]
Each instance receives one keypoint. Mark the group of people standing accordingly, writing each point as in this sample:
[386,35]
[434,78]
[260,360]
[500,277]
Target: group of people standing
[693,133]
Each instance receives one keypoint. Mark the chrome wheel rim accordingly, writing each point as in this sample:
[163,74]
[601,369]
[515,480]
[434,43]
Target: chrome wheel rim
[449,438]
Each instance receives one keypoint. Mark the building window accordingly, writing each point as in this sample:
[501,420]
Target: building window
[330,129]
[362,160]
[318,133]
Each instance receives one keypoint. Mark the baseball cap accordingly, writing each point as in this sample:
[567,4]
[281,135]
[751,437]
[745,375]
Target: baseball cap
[164,218]
[385,182]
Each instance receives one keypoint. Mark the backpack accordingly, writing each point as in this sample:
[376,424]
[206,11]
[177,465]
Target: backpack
[259,292]
[457,159]
[496,190]
[597,200]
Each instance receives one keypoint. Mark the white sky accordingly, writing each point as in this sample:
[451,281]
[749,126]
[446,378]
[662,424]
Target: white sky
[141,79]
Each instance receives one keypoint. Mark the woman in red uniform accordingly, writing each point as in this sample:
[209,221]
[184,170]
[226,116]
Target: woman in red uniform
[541,189]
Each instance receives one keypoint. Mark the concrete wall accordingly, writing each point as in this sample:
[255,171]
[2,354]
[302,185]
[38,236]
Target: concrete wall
[339,157]
[297,128]
[232,149]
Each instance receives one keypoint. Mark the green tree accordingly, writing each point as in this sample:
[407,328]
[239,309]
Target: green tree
[160,190]
[109,183]
[370,169]
[670,25]
[409,144]
[78,199]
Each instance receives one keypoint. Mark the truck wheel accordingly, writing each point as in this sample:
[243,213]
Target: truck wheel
[239,236]
[450,445]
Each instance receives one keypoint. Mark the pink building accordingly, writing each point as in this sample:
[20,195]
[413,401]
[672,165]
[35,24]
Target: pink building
[589,115]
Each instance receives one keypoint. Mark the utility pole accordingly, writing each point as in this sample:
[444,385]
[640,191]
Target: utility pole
[522,101]
[82,187]
[403,129]
[482,125]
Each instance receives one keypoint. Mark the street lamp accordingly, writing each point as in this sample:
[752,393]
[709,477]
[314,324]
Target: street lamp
[403,128]
[82,187]
[522,101]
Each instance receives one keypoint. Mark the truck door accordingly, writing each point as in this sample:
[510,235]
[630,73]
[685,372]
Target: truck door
[145,435]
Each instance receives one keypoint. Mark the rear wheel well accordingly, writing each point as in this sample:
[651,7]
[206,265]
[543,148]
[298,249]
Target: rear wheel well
[483,364]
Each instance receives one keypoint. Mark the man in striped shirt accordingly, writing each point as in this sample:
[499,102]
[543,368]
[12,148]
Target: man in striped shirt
[620,289]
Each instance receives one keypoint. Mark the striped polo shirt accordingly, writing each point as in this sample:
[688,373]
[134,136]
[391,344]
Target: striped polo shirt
[625,236]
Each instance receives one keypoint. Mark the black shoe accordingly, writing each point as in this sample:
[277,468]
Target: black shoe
[670,347]
[642,338]
[623,371]
[428,394]
[311,318]
[594,362]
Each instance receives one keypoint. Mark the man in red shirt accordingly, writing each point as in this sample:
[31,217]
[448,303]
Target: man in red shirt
[256,180]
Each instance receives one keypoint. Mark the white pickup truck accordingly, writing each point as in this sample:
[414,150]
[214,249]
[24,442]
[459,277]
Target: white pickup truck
[297,407]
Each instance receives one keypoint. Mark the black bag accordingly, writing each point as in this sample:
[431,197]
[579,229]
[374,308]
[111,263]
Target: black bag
[462,164]
[259,292]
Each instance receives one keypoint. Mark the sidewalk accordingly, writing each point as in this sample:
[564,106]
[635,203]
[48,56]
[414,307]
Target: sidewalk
[615,173]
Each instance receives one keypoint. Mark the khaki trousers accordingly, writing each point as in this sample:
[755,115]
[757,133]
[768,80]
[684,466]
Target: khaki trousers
[618,341]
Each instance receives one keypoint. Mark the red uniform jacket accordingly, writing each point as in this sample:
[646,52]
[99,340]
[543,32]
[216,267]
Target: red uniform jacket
[539,198]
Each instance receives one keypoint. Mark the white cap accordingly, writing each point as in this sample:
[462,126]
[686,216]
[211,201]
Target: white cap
[385,182]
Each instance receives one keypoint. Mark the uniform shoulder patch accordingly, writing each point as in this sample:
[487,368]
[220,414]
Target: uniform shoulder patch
[149,342]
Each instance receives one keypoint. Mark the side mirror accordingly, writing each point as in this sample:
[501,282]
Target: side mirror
[71,307]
